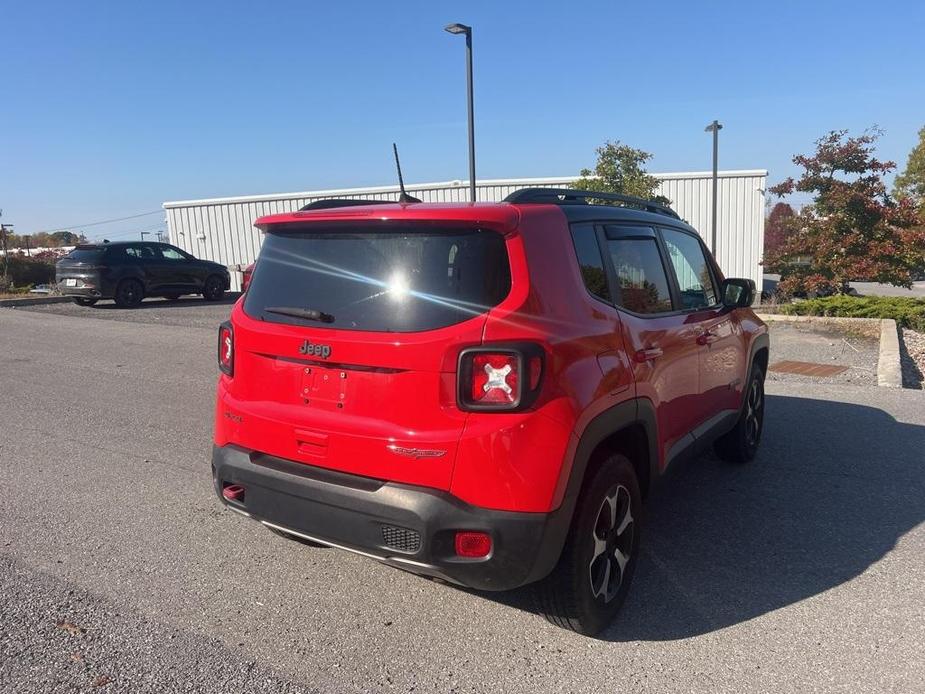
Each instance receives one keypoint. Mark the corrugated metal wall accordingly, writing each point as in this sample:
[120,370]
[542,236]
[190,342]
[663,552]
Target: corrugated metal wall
[223,230]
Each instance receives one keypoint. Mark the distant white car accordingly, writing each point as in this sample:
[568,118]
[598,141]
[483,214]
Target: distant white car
[41,289]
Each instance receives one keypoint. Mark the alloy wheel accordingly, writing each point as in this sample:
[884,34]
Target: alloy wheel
[613,543]
[754,412]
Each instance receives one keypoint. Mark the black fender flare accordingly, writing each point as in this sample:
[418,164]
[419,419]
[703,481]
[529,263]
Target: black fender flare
[635,411]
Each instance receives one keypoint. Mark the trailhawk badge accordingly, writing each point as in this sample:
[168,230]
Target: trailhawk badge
[312,350]
[416,452]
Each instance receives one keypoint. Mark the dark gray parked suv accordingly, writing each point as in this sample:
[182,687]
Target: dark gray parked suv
[130,271]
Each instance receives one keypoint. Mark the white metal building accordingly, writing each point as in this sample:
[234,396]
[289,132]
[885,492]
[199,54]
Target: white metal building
[222,229]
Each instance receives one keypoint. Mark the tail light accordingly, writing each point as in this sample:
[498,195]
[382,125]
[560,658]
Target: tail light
[499,377]
[226,348]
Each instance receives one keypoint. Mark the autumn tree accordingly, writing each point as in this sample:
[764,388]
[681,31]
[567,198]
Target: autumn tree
[778,227]
[853,229]
[620,169]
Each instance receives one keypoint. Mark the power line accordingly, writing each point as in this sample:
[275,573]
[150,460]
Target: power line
[103,221]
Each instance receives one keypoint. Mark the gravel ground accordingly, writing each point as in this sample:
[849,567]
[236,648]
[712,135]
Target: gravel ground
[824,345]
[800,572]
[912,352]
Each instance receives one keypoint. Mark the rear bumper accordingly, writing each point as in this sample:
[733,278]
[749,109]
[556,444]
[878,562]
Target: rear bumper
[409,527]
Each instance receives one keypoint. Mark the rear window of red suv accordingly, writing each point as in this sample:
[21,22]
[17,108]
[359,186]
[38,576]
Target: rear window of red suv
[394,279]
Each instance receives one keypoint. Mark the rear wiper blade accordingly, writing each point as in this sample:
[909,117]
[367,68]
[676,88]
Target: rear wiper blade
[304,313]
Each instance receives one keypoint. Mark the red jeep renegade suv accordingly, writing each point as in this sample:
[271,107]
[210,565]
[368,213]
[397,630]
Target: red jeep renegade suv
[483,393]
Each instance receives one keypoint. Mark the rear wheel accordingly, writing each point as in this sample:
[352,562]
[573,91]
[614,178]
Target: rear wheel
[129,293]
[84,301]
[214,288]
[586,589]
[741,444]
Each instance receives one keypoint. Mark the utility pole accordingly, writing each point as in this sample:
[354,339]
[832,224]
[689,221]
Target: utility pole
[28,249]
[714,127]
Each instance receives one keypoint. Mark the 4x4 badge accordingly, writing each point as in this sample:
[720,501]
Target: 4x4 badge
[416,452]
[323,351]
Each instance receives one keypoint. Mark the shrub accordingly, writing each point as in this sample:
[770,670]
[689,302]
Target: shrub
[906,311]
[31,271]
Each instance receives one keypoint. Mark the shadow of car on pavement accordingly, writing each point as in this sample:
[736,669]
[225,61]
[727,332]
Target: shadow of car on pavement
[833,488]
[157,302]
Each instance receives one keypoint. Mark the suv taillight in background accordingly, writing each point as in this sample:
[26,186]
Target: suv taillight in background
[500,377]
[226,348]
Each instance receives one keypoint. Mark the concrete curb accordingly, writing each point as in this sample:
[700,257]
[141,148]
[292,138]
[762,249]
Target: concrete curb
[34,301]
[889,366]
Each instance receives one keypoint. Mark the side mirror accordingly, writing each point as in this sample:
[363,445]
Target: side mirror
[738,292]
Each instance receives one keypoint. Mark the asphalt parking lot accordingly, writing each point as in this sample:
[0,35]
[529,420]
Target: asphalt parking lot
[120,572]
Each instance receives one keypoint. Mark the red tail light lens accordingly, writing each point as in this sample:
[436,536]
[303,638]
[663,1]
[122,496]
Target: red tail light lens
[226,349]
[473,545]
[505,376]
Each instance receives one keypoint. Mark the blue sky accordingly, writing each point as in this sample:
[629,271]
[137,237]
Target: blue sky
[109,109]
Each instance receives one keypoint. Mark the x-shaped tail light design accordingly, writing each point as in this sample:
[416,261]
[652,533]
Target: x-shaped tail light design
[497,378]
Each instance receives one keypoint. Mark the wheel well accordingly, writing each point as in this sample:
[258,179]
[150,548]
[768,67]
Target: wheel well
[761,358]
[632,441]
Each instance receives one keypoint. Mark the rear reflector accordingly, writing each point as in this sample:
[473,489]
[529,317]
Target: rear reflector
[473,544]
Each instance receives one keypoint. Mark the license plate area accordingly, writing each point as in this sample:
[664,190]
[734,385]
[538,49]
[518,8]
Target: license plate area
[323,387]
[70,282]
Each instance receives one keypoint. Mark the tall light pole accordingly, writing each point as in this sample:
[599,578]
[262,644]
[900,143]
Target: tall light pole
[467,30]
[144,233]
[714,127]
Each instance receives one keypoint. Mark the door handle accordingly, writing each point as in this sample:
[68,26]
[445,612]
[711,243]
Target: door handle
[648,354]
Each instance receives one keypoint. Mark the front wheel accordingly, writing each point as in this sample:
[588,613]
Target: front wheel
[741,444]
[586,589]
[84,301]
[214,288]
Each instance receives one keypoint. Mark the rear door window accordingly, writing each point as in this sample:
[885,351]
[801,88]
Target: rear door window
[395,279]
[640,274]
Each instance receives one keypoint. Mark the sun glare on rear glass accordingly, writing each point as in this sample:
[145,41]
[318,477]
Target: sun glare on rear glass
[398,286]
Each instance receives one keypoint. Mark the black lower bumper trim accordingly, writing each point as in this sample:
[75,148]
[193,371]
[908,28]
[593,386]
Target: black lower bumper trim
[358,514]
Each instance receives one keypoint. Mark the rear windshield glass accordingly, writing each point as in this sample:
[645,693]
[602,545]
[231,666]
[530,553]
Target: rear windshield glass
[84,255]
[397,280]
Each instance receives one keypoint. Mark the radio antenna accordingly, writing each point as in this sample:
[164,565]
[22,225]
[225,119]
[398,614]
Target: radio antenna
[404,197]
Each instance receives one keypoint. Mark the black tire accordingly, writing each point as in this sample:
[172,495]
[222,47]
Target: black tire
[296,538]
[84,301]
[741,444]
[172,297]
[577,594]
[214,288]
[129,293]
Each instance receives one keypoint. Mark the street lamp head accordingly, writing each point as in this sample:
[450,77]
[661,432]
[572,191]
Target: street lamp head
[715,125]
[458,29]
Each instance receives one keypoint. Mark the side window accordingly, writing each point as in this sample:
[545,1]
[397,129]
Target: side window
[132,251]
[640,275]
[171,253]
[695,280]
[590,261]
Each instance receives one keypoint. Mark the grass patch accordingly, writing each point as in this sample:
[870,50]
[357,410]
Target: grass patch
[906,311]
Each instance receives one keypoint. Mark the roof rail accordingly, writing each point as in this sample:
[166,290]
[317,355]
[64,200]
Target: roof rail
[567,196]
[330,203]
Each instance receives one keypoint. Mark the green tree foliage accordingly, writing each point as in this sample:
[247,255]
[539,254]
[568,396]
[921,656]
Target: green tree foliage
[911,182]
[853,229]
[620,169]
